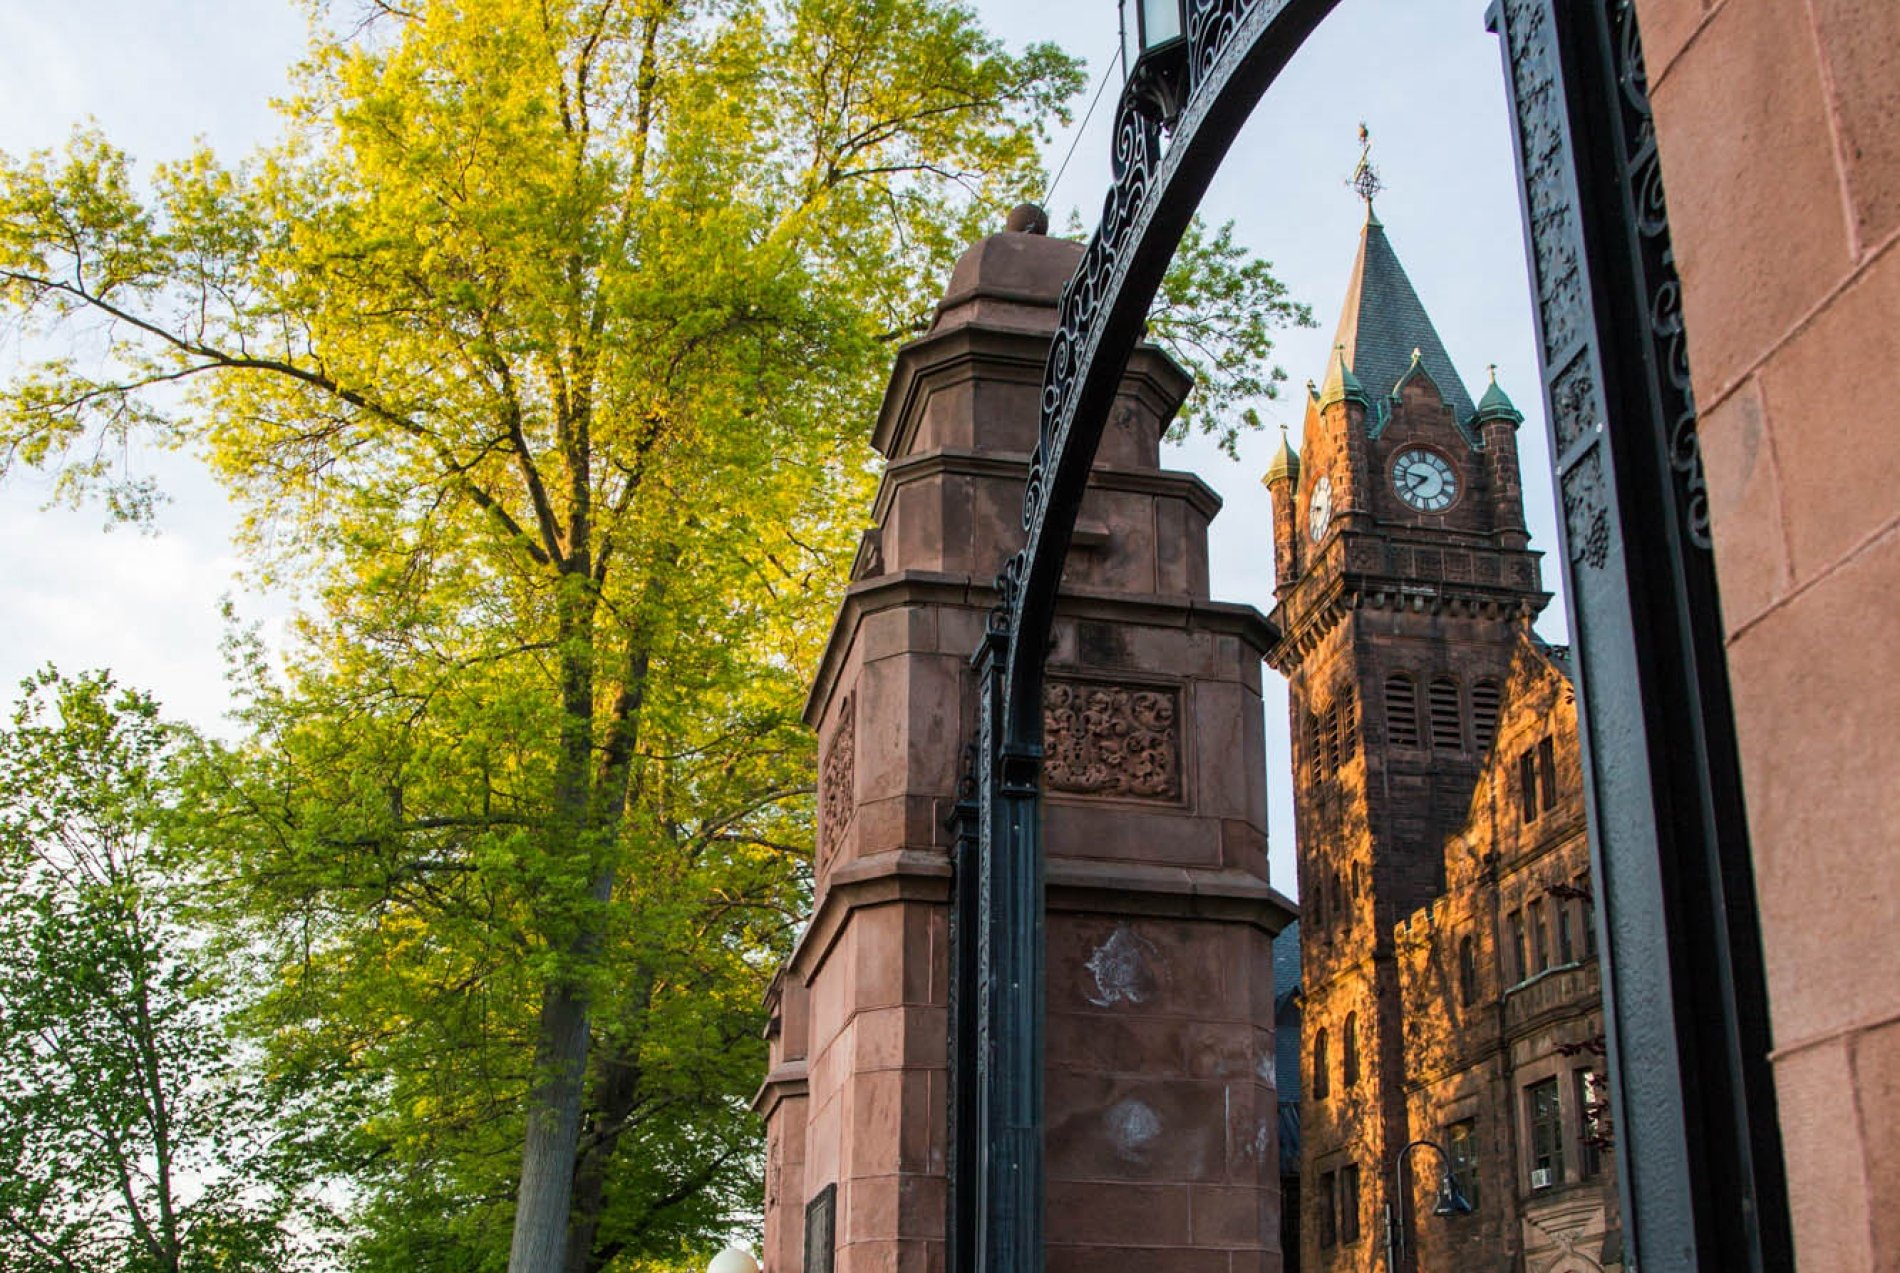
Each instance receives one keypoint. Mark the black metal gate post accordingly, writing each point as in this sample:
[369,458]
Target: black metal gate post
[1008,1175]
[1698,1148]
[1697,1135]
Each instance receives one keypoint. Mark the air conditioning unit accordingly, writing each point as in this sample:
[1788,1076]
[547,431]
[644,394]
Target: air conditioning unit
[1541,1178]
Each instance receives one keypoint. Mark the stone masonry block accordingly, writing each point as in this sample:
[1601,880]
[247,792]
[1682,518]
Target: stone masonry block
[1860,41]
[1126,1215]
[1666,26]
[1876,1055]
[1754,200]
[1837,461]
[1827,1185]
[1751,552]
[1822,809]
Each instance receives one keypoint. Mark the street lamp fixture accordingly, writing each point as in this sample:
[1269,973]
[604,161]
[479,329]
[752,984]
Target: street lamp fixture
[1451,1201]
[1155,56]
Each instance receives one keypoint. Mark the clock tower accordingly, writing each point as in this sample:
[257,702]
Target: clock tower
[1405,583]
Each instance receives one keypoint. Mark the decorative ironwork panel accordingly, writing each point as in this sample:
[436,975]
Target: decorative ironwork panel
[1564,62]
[1236,47]
[1683,985]
[1111,740]
[1655,268]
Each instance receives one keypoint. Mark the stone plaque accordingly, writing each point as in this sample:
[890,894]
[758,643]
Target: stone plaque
[1111,740]
[821,1230]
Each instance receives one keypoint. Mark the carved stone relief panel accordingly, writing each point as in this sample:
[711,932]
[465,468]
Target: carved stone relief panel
[1112,740]
[837,782]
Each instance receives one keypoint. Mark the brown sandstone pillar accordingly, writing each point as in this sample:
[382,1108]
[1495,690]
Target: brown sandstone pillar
[1162,1115]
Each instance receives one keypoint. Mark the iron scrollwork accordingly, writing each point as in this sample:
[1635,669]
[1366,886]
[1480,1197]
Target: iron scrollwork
[1669,343]
[1235,48]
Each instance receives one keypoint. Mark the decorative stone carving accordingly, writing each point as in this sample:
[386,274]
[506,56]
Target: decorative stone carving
[837,782]
[1111,740]
[1123,969]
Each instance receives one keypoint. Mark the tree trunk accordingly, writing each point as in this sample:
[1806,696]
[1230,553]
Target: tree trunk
[552,1136]
[616,1092]
[554,1118]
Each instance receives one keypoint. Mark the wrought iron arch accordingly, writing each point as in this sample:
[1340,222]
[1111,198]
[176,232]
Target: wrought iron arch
[1685,994]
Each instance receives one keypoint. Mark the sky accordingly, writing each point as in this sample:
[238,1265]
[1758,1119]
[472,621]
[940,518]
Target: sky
[1423,75]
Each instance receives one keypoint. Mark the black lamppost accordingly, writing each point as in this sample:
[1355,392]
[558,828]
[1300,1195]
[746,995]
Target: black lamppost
[1154,55]
[1450,1201]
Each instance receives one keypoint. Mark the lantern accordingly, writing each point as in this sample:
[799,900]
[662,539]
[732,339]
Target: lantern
[1154,50]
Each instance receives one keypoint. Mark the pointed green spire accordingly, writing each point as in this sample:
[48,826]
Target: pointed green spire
[1341,385]
[1285,465]
[1496,404]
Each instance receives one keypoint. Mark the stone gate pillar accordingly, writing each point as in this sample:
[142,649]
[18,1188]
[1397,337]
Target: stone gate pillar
[1161,1113]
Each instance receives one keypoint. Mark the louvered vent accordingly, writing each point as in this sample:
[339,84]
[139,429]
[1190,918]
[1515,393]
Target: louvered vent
[1446,735]
[1484,713]
[1401,710]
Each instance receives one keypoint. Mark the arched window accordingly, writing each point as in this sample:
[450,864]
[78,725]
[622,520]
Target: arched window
[1446,732]
[1401,710]
[1322,1086]
[1484,714]
[1345,731]
[1315,746]
[1467,973]
[1333,751]
[1349,1050]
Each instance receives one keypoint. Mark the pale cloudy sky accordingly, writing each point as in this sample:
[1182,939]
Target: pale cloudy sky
[1424,74]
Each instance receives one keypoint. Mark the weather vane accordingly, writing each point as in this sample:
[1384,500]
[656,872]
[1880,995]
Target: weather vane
[1365,177]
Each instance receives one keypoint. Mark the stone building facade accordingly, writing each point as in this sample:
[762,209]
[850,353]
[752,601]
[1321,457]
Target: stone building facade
[1449,987]
[1161,1105]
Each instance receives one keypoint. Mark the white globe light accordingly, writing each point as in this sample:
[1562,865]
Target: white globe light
[733,1260]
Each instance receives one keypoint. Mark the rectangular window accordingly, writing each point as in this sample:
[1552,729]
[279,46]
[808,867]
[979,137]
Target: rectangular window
[1547,767]
[1593,1107]
[1461,1145]
[1349,1203]
[1514,923]
[1540,939]
[1328,1209]
[1545,1116]
[1527,786]
[1566,938]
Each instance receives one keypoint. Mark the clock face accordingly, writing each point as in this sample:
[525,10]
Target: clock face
[1425,480]
[1319,510]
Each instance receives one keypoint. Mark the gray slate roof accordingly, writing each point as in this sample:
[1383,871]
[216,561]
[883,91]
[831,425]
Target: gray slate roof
[1383,321]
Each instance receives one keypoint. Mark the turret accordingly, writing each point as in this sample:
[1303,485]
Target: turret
[1282,481]
[1495,423]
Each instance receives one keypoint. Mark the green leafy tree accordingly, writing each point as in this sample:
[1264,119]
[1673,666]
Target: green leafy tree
[528,352]
[134,1135]
[539,355]
[1216,314]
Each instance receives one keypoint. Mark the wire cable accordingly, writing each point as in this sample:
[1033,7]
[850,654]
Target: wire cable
[1115,56]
